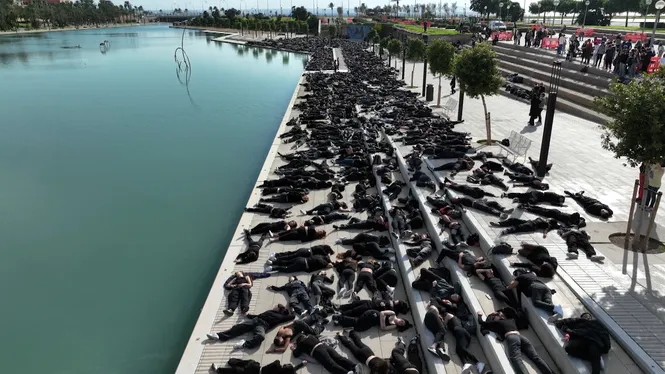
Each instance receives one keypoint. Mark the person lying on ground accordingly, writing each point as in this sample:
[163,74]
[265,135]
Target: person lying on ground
[273,211]
[490,207]
[371,249]
[516,344]
[300,264]
[438,323]
[386,320]
[296,290]
[466,260]
[320,293]
[579,240]
[517,167]
[282,190]
[364,237]
[567,219]
[375,223]
[463,164]
[253,248]
[438,286]
[266,227]
[521,226]
[304,234]
[527,283]
[320,250]
[474,192]
[486,177]
[419,254]
[358,307]
[363,353]
[326,355]
[240,366]
[498,288]
[326,218]
[312,324]
[540,261]
[591,205]
[536,197]
[257,325]
[400,363]
[238,286]
[456,306]
[346,269]
[524,180]
[587,339]
[295,197]
[327,208]
[423,180]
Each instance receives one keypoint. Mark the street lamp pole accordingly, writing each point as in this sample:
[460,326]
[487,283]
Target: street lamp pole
[659,6]
[556,4]
[646,10]
[555,76]
[585,11]
[485,11]
[500,11]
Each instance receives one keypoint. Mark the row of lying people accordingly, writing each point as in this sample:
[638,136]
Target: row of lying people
[313,301]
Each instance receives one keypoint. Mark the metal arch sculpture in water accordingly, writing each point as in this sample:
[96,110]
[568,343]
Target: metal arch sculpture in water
[183,68]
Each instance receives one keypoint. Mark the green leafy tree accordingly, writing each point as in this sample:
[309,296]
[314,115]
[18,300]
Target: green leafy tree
[332,31]
[371,37]
[637,129]
[383,44]
[394,47]
[299,13]
[441,57]
[514,13]
[415,53]
[477,70]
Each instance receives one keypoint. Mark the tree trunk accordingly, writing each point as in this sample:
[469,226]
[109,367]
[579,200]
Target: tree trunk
[413,70]
[626,20]
[389,59]
[488,126]
[438,98]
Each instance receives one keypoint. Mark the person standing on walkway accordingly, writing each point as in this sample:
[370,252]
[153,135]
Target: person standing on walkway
[452,85]
[655,176]
[515,343]
[562,45]
[600,51]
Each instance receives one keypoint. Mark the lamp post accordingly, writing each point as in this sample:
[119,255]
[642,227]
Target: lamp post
[585,11]
[659,6]
[556,4]
[425,39]
[508,12]
[555,76]
[500,11]
[646,10]
[485,9]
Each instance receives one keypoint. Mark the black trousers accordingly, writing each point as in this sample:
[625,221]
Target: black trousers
[365,322]
[332,361]
[585,350]
[297,265]
[399,362]
[290,255]
[346,278]
[239,295]
[583,245]
[365,279]
[372,249]
[256,326]
[238,366]
[435,325]
[358,349]
[356,308]
[462,342]
[299,301]
[518,344]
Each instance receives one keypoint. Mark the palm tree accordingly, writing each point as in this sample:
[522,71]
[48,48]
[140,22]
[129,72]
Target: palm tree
[397,8]
[331,6]
[407,9]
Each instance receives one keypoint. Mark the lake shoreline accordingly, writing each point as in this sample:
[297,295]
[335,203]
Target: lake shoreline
[72,28]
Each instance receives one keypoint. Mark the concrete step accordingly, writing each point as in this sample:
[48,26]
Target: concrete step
[547,56]
[569,83]
[546,67]
[562,104]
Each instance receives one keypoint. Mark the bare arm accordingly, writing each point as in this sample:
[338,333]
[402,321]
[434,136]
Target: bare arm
[512,285]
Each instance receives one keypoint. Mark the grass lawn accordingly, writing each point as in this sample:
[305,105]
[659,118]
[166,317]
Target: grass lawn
[430,31]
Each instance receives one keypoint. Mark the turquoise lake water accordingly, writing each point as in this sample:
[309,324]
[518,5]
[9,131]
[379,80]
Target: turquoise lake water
[119,193]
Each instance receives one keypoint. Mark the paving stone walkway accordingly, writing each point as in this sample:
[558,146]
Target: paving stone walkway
[580,164]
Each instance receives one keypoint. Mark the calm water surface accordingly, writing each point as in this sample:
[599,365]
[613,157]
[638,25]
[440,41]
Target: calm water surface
[120,192]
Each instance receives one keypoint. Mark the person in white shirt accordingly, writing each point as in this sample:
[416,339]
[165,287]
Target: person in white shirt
[562,45]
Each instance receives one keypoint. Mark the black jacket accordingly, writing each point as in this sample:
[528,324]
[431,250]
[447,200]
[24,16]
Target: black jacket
[591,331]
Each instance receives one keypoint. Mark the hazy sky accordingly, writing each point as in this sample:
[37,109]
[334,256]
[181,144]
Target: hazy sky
[275,4]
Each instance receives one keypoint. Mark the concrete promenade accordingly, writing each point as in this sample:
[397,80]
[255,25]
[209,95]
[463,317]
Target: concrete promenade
[581,164]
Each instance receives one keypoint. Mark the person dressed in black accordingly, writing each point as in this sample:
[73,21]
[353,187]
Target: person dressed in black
[486,177]
[300,264]
[524,180]
[257,324]
[296,197]
[303,233]
[327,208]
[474,192]
[462,164]
[520,226]
[346,268]
[490,207]
[326,355]
[366,278]
[567,219]
[274,212]
[527,282]
[506,329]
[400,363]
[587,339]
[369,249]
[363,353]
[266,227]
[284,258]
[591,205]
[298,296]
[423,180]
[239,366]
[364,237]
[466,260]
[326,218]
[536,197]
[253,247]
[499,289]
[517,167]
[540,261]
[320,293]
[238,286]
[312,324]
[358,307]
[385,320]
[537,104]
[577,240]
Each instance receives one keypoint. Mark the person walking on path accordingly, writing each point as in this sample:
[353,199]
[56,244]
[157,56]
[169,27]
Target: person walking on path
[655,177]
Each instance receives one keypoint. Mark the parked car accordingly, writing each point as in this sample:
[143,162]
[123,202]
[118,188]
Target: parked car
[497,26]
